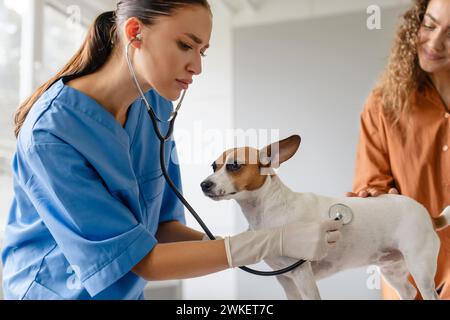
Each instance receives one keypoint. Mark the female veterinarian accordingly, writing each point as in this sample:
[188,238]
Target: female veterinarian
[405,125]
[89,193]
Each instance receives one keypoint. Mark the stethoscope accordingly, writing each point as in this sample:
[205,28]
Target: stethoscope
[337,212]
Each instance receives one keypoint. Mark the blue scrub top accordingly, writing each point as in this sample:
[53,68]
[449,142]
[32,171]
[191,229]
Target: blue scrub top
[89,196]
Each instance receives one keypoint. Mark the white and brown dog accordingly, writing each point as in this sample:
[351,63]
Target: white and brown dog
[393,232]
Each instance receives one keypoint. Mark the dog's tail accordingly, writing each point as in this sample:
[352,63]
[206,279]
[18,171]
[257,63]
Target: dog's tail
[443,221]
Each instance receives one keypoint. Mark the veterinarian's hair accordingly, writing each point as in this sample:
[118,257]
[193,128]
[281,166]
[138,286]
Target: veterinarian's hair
[101,40]
[403,75]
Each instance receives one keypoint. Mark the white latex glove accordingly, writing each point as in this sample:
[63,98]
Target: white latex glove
[308,241]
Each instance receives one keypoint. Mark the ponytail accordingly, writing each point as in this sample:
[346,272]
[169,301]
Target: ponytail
[92,55]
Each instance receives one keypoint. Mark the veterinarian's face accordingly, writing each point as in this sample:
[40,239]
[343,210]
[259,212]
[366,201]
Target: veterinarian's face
[172,50]
[434,38]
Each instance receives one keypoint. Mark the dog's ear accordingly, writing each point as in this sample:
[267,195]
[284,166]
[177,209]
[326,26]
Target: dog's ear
[277,153]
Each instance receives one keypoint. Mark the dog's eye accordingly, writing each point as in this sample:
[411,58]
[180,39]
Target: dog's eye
[214,167]
[234,167]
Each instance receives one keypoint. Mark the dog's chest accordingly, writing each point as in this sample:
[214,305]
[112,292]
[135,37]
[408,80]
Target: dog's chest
[325,268]
[275,214]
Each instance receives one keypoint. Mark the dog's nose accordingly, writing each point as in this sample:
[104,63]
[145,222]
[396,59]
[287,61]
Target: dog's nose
[207,186]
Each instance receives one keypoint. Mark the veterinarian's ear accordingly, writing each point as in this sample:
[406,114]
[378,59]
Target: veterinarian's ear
[277,153]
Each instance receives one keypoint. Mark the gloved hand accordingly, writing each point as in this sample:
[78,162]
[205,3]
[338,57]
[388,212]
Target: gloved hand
[308,241]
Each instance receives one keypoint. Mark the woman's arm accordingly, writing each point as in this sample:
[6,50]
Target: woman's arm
[181,254]
[183,260]
[373,175]
[175,231]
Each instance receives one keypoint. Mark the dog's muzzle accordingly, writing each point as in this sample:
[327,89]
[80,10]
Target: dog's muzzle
[207,186]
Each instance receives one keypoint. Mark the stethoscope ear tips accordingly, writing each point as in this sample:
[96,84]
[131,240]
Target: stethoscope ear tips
[139,37]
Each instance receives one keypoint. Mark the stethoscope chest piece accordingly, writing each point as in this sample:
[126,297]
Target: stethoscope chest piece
[341,212]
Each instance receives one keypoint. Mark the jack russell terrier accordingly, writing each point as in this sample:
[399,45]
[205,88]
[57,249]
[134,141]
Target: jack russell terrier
[392,232]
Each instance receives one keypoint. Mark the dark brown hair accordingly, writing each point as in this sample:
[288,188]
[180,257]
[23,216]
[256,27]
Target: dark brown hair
[99,42]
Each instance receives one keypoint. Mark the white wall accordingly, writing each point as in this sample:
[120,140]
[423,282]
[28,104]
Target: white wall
[311,77]
[262,12]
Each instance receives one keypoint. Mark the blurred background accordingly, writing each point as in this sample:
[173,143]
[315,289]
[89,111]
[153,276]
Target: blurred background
[275,67]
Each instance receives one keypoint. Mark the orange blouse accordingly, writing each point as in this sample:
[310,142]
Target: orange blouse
[413,157]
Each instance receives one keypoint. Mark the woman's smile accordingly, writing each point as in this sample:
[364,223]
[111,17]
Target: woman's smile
[432,56]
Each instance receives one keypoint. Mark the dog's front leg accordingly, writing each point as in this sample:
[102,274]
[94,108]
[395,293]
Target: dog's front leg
[286,280]
[290,288]
[306,284]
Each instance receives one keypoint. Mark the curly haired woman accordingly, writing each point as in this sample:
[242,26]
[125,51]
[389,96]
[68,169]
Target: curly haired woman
[405,126]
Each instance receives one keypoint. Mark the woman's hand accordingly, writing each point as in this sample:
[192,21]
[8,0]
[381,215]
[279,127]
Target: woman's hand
[370,192]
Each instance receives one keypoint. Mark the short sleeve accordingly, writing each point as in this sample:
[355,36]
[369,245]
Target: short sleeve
[372,157]
[172,209]
[95,231]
